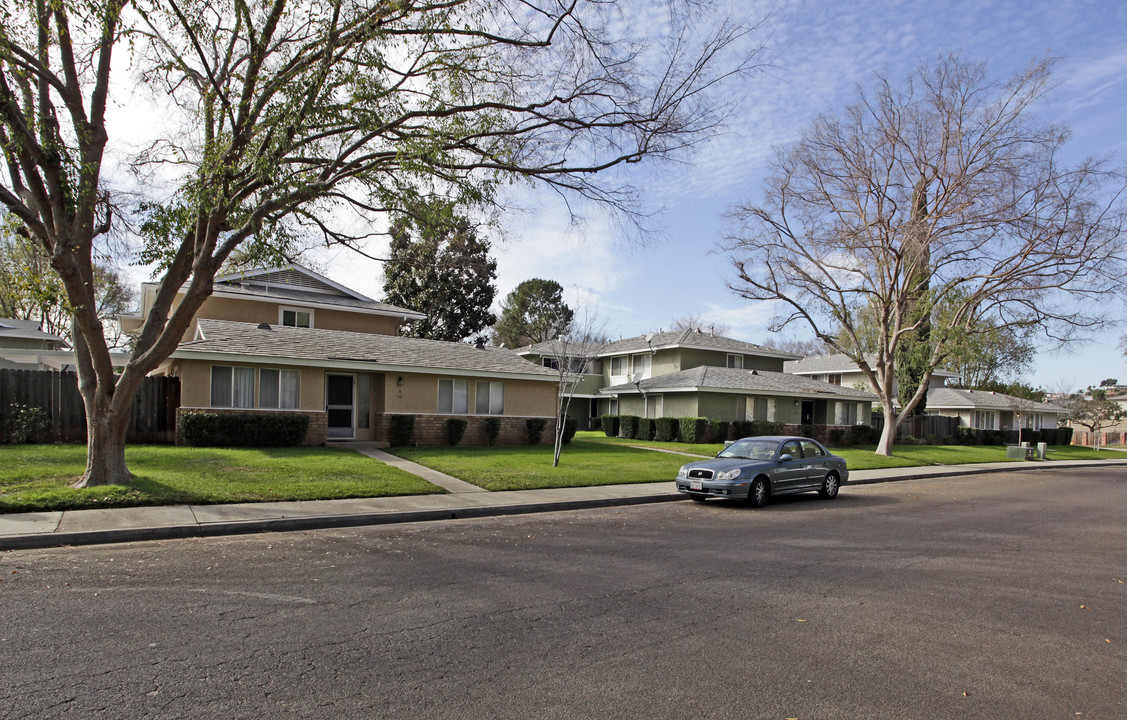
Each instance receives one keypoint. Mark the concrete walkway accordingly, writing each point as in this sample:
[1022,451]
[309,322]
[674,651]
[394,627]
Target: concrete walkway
[84,527]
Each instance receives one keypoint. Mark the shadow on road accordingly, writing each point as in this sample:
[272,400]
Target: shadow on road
[806,502]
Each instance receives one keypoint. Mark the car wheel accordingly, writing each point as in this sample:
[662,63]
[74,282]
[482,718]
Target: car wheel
[698,498]
[758,492]
[830,486]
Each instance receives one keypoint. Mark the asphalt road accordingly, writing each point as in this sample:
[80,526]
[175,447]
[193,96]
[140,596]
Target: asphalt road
[992,596]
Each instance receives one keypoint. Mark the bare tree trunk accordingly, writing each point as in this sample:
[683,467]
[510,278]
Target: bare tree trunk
[888,433]
[105,447]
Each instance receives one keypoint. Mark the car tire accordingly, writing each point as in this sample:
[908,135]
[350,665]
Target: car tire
[758,493]
[830,486]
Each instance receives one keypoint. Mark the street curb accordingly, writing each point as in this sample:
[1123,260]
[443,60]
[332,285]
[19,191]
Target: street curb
[317,522]
[981,471]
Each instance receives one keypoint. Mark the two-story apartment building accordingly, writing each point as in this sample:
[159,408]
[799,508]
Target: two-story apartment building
[688,373]
[289,340]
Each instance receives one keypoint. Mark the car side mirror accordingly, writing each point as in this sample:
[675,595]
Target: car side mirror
[786,457]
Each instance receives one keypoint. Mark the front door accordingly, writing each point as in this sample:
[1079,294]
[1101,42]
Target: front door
[807,412]
[340,406]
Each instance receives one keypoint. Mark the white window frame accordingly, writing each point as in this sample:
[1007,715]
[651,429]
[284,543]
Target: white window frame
[494,397]
[846,413]
[623,363]
[985,419]
[283,309]
[736,362]
[247,377]
[284,403]
[455,407]
[641,364]
[655,406]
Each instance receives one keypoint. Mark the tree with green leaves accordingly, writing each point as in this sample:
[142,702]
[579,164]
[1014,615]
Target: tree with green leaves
[31,290]
[438,265]
[533,312]
[1096,412]
[1012,236]
[285,119]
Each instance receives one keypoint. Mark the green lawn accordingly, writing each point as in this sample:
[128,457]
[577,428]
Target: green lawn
[863,458]
[36,477]
[528,467]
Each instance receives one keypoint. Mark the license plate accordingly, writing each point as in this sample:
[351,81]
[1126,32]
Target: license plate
[696,485]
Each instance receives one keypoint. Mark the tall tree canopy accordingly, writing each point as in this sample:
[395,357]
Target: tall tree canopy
[439,266]
[31,290]
[943,204]
[533,312]
[282,118]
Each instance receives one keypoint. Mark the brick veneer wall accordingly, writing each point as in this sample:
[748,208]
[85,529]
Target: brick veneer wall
[431,430]
[317,434]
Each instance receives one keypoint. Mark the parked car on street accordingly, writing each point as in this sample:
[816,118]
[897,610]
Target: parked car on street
[756,469]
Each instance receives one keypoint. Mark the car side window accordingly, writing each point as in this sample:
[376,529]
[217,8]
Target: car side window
[791,448]
[811,449]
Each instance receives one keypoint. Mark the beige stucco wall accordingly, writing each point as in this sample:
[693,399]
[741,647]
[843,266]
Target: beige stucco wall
[419,395]
[250,311]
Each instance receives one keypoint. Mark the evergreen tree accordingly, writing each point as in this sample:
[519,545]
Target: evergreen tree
[439,266]
[533,312]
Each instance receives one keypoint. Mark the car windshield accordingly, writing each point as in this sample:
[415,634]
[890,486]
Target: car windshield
[750,449]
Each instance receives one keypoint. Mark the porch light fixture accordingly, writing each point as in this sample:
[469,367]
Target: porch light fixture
[399,381]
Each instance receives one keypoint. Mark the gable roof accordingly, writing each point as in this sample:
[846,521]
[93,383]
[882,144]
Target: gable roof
[952,398]
[301,286]
[732,380]
[27,330]
[247,342]
[689,339]
[839,363]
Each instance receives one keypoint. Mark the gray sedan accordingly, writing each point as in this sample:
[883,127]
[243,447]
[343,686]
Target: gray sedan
[758,468]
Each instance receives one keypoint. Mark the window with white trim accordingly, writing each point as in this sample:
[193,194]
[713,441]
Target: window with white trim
[655,406]
[845,413]
[232,387]
[618,365]
[642,365]
[453,396]
[757,408]
[833,378]
[984,419]
[736,361]
[490,398]
[279,389]
[295,317]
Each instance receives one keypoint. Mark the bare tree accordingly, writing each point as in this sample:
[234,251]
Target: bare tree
[573,356]
[807,347]
[942,201]
[301,118]
[696,322]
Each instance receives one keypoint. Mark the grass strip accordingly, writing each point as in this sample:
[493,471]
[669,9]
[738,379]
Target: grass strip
[37,477]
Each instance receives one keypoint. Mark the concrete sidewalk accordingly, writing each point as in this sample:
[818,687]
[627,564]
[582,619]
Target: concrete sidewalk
[85,527]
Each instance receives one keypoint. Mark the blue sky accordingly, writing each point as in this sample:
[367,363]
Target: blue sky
[822,49]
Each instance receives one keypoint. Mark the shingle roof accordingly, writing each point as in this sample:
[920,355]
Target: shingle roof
[672,339]
[986,400]
[27,329]
[838,363]
[364,349]
[717,378]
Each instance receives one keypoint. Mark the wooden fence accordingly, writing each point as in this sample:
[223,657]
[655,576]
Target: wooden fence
[56,394]
[921,426]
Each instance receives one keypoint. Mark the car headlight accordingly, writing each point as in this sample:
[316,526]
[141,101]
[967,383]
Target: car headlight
[728,474]
[683,472]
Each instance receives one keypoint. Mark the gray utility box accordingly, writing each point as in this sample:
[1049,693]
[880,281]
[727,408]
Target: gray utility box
[1020,452]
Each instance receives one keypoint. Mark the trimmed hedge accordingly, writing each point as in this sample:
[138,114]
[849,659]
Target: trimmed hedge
[455,430]
[719,430]
[569,428]
[402,430]
[609,425]
[535,429]
[628,426]
[693,429]
[646,429]
[666,429]
[206,429]
[596,423]
[492,429]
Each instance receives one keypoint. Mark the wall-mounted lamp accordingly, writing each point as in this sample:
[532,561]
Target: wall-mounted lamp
[399,381]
